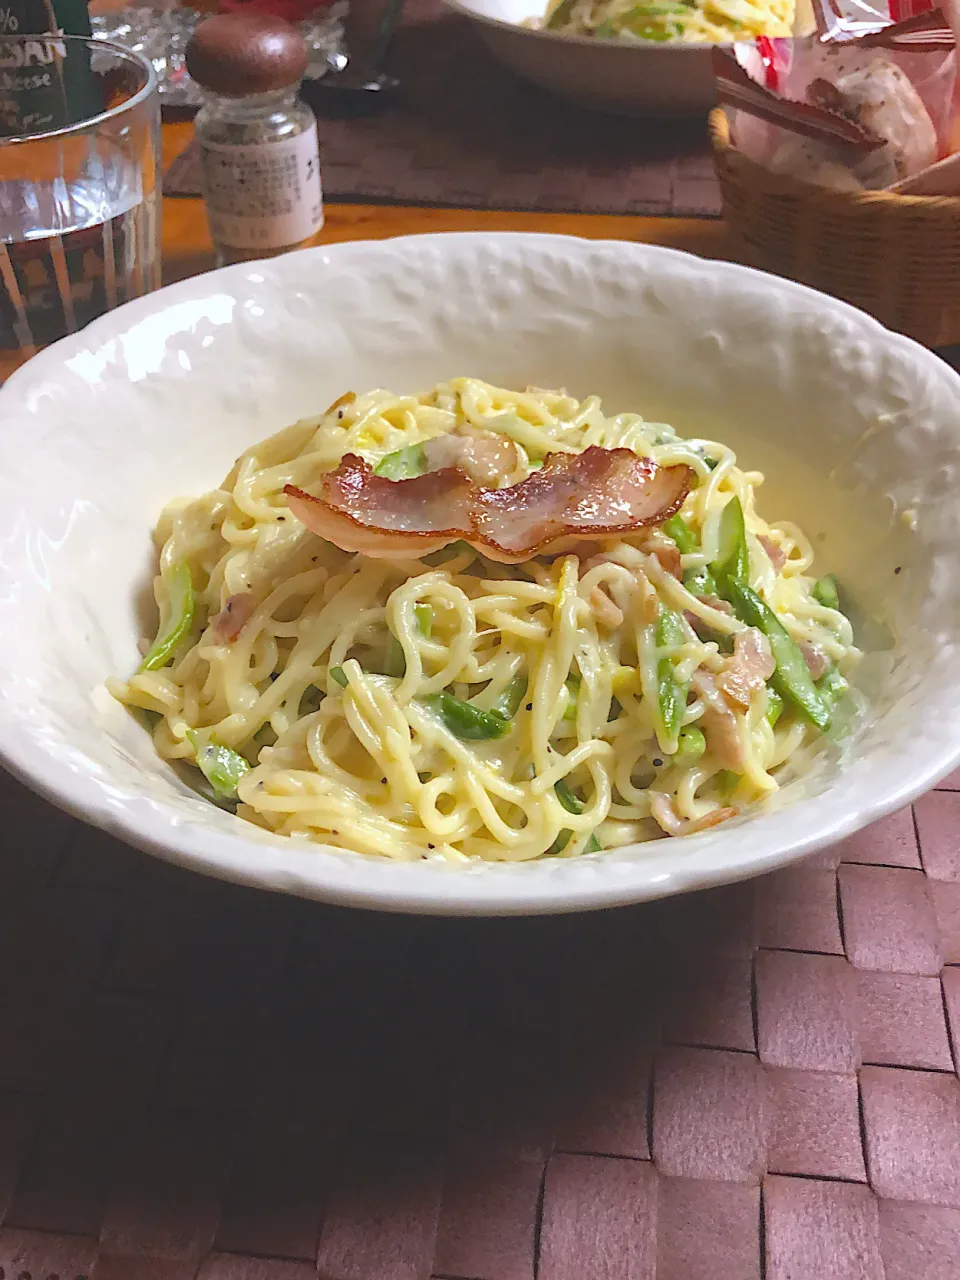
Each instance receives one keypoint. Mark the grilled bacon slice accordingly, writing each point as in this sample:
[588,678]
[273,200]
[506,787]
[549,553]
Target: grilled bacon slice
[600,493]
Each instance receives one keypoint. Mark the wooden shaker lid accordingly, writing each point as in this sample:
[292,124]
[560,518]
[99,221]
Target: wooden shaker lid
[236,54]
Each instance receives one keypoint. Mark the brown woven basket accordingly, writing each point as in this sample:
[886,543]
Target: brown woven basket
[897,257]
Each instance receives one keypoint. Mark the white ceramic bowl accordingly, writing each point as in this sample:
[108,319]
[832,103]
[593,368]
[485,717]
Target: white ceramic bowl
[857,430]
[607,75]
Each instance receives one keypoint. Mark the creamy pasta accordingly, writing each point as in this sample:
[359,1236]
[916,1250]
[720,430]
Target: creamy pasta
[459,707]
[684,21]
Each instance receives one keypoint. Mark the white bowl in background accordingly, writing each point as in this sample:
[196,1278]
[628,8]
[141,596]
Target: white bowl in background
[858,432]
[608,75]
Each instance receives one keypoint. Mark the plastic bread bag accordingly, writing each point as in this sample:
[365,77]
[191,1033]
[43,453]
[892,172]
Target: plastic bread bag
[898,81]
[895,84]
[849,19]
[772,58]
[804,140]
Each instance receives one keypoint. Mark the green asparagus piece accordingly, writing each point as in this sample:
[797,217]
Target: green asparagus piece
[339,675]
[404,464]
[182,607]
[570,801]
[572,686]
[424,616]
[726,781]
[222,767]
[573,804]
[466,721]
[670,632]
[691,745]
[825,592]
[774,707]
[732,560]
[792,679]
[700,582]
[593,845]
[655,11]
[648,32]
[671,696]
[832,686]
[678,529]
[508,703]
[394,663]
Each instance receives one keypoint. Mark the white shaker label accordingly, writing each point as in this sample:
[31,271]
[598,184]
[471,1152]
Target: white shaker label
[264,195]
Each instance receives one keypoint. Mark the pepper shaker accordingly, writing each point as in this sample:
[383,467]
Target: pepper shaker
[259,155]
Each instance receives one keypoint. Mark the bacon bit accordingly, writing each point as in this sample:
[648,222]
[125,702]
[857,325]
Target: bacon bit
[747,670]
[721,606]
[486,457]
[348,397]
[817,661]
[233,617]
[711,820]
[594,494]
[775,553]
[700,625]
[664,811]
[719,723]
[605,611]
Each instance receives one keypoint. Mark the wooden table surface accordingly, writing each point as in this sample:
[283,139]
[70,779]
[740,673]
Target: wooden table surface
[187,250]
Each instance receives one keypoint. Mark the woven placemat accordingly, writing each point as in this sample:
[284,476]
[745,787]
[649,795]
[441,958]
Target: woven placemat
[463,131]
[202,1081]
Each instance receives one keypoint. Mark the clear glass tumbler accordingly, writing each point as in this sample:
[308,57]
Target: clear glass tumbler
[79,186]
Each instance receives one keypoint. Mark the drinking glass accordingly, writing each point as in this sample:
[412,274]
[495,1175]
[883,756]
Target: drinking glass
[79,186]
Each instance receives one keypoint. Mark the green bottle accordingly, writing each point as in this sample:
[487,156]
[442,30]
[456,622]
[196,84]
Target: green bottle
[45,83]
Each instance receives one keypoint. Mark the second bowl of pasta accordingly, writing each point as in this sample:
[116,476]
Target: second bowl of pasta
[614,56]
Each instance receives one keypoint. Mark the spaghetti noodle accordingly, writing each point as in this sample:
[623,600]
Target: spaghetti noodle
[682,21]
[457,707]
